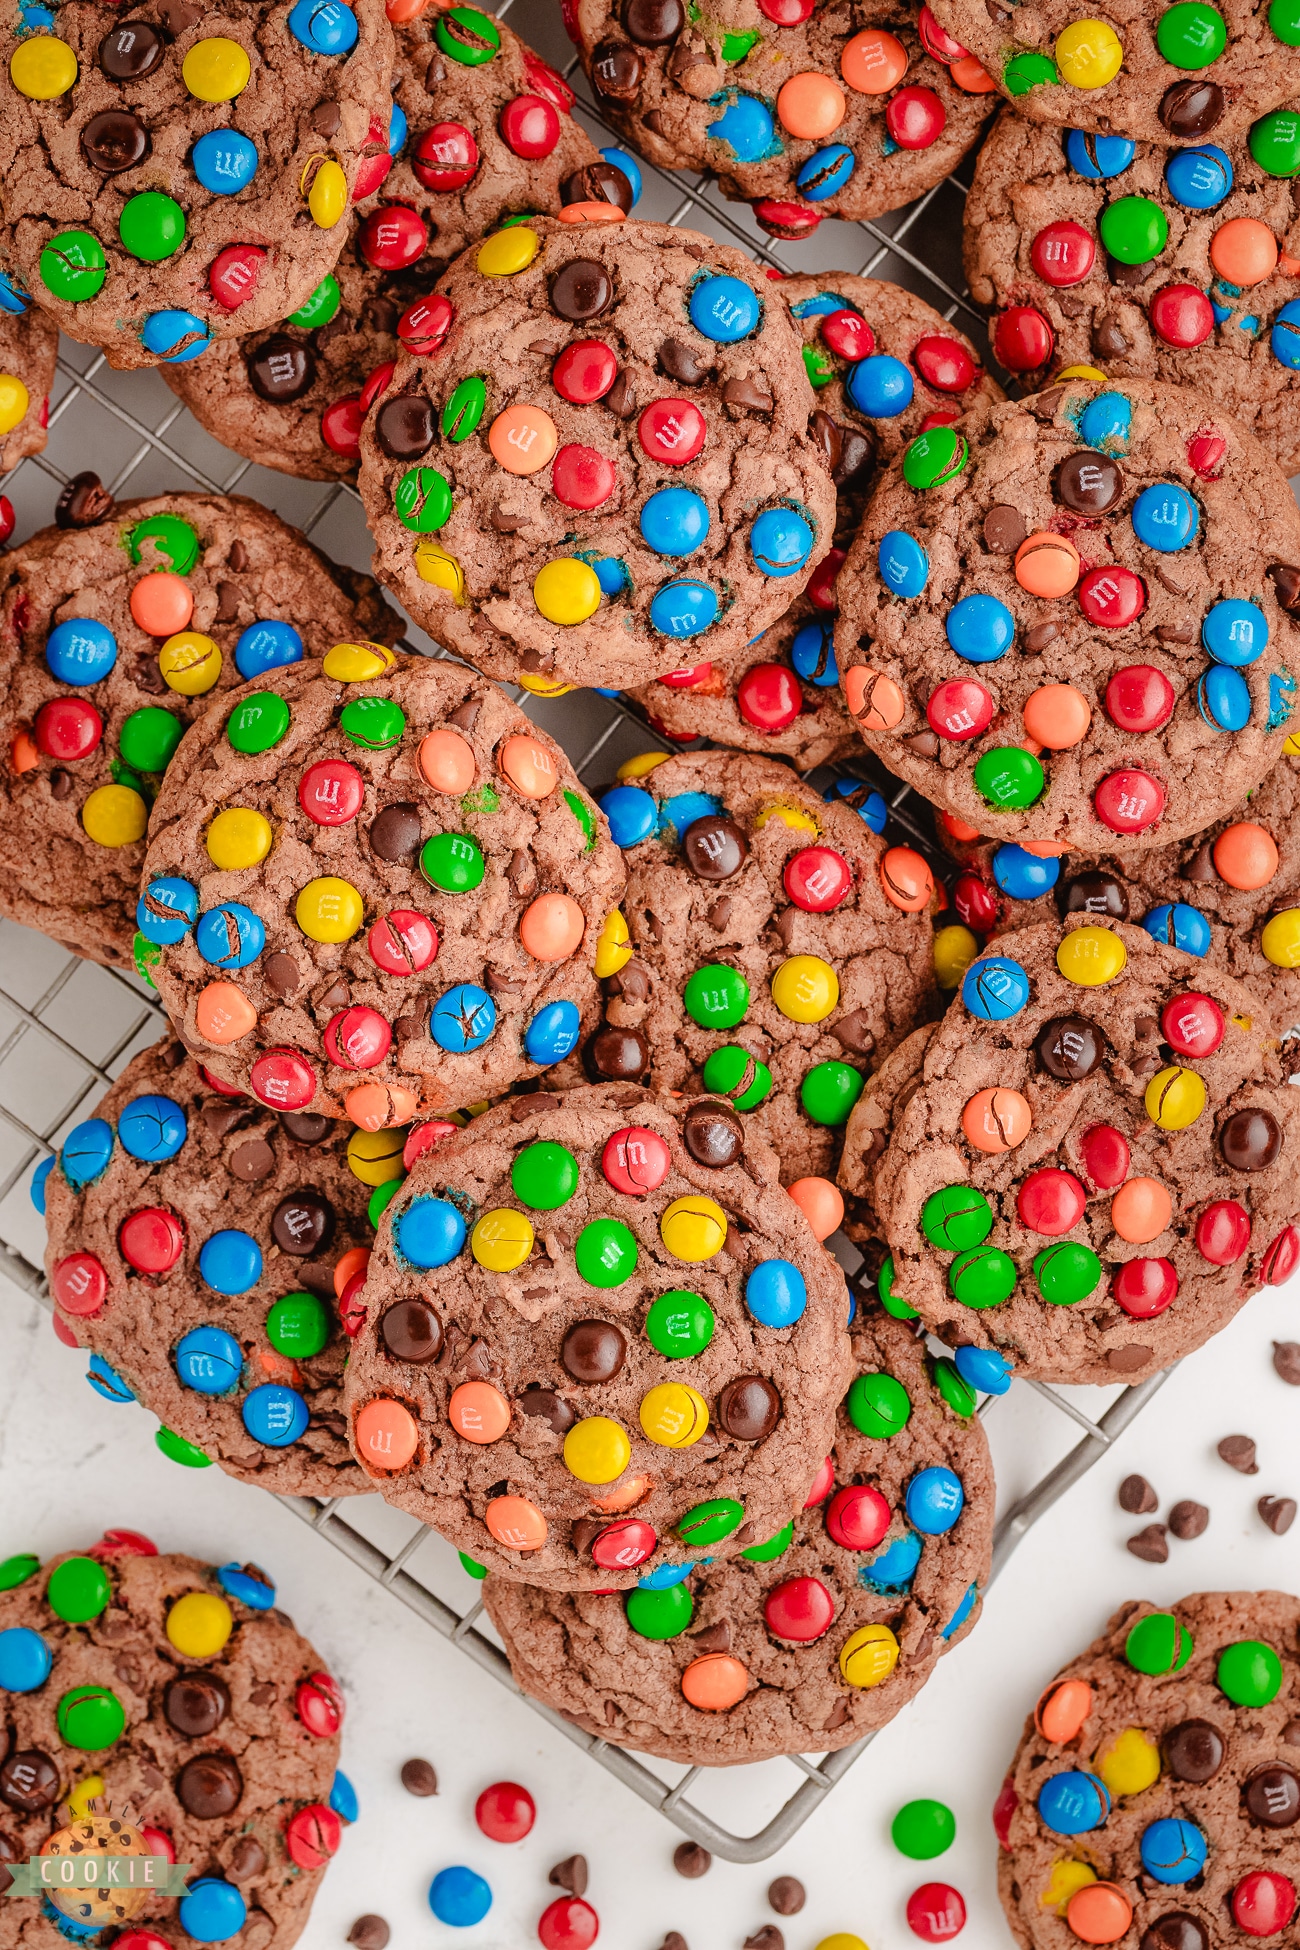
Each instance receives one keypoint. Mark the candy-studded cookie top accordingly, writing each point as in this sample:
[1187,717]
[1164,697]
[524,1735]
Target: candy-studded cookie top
[600,462]
[29,344]
[600,1341]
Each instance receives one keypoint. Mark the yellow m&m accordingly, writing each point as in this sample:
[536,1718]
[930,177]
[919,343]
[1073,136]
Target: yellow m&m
[190,663]
[502,1240]
[357,663]
[868,1656]
[614,948]
[507,252]
[842,1940]
[329,909]
[434,565]
[673,1415]
[1089,53]
[375,1157]
[640,766]
[955,948]
[78,1802]
[1066,1879]
[1175,1098]
[1128,1763]
[43,68]
[537,686]
[1081,372]
[805,988]
[792,816]
[114,815]
[238,837]
[326,191]
[1280,940]
[14,401]
[1091,956]
[216,70]
[693,1228]
[566,591]
[199,1624]
[596,1450]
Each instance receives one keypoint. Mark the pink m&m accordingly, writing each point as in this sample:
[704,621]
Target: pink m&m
[635,1160]
[331,792]
[817,878]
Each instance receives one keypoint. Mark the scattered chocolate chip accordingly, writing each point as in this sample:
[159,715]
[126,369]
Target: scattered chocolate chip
[571,1874]
[370,1932]
[1285,580]
[1175,633]
[1193,1751]
[552,1409]
[229,597]
[1149,1544]
[853,1032]
[196,1703]
[1188,1520]
[466,715]
[282,975]
[1291,1733]
[1168,580]
[768,1937]
[924,743]
[1278,1512]
[621,397]
[60,783]
[418,1777]
[691,1861]
[247,1859]
[674,1939]
[682,362]
[306,1126]
[750,394]
[1108,339]
[1200,868]
[1128,276]
[1004,528]
[653,23]
[1286,1362]
[237,556]
[713,1134]
[252,1161]
[720,913]
[1137,1496]
[1238,1451]
[787,1895]
[210,1786]
[714,1638]
[221,1116]
[857,457]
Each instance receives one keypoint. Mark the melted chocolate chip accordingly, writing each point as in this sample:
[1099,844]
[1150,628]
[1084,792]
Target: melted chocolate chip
[1004,528]
[621,397]
[196,1703]
[1093,893]
[619,1054]
[306,1126]
[1272,1797]
[1286,582]
[252,1161]
[84,501]
[682,362]
[404,426]
[1251,1140]
[1178,1930]
[395,832]
[60,783]
[1193,1751]
[209,1786]
[854,1032]
[280,369]
[857,457]
[303,1223]
[749,1408]
[826,435]
[1040,636]
[598,182]
[653,23]
[552,1408]
[748,393]
[715,847]
[581,289]
[1190,109]
[1069,1048]
[247,1859]
[114,140]
[131,49]
[592,1351]
[29,1782]
[411,1331]
[1089,482]
[713,1134]
[1108,338]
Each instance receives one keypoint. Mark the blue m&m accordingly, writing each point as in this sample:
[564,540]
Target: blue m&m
[775,1293]
[631,814]
[724,309]
[107,1382]
[459,1897]
[343,1797]
[1179,926]
[213,1910]
[175,336]
[674,521]
[682,809]
[267,645]
[747,128]
[665,1576]
[1024,876]
[167,910]
[780,541]
[624,159]
[37,1187]
[812,653]
[980,629]
[1165,517]
[826,172]
[1223,698]
[904,565]
[224,161]
[152,1128]
[553,1032]
[398,129]
[80,650]
[962,1613]
[1235,631]
[1199,178]
[1097,156]
[209,1360]
[684,608]
[934,1500]
[275,1415]
[894,1567]
[463,1018]
[257,1593]
[881,387]
[85,1152]
[230,1262]
[11,299]
[430,1232]
[995,988]
[1173,1850]
[984,1369]
[324,26]
[869,803]
[1284,339]
[1105,422]
[25,1660]
[1073,1803]
[230,936]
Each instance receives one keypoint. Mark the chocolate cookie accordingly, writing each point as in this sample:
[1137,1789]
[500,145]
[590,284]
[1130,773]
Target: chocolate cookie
[598,1336]
[1156,263]
[482,130]
[158,1705]
[1136,550]
[1156,1788]
[1097,1167]
[775,947]
[376,888]
[805,113]
[183,175]
[115,627]
[885,1096]
[601,461]
[810,1639]
[1189,73]
[200,1247]
[29,346]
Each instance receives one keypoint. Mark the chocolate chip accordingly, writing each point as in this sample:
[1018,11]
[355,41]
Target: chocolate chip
[618,1054]
[1188,1520]
[178,16]
[1286,1362]
[419,1778]
[1200,868]
[395,832]
[749,1408]
[1137,1496]
[1278,1512]
[924,743]
[1193,1751]
[252,1161]
[1286,585]
[598,182]
[370,1932]
[751,395]
[715,847]
[1040,636]
[593,1351]
[768,1937]
[1004,529]
[552,1408]
[691,1861]
[84,501]
[581,289]
[571,1874]
[229,597]
[1069,1048]
[682,362]
[29,1782]
[826,435]
[303,1223]
[1190,109]
[411,1331]
[674,1940]
[1094,893]
[114,140]
[653,23]
[247,1859]
[854,1032]
[131,49]
[713,1134]
[720,913]
[786,1895]
[1128,1359]
[1238,1451]
[1128,276]
[404,426]
[1108,339]
[621,397]
[857,457]
[1089,482]
[1178,1930]
[1251,1140]
[221,1116]
[196,1703]
[1272,1795]
[1149,1544]
[237,556]
[210,1786]
[280,369]
[60,783]
[1043,405]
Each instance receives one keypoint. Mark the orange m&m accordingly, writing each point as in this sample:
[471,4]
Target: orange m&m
[1244,251]
[906,879]
[528,765]
[1100,1912]
[811,106]
[1047,565]
[715,1682]
[223,1013]
[1140,1210]
[516,1523]
[162,603]
[958,829]
[376,1106]
[552,926]
[874,700]
[971,76]
[478,1411]
[385,1435]
[355,1260]
[1245,855]
[446,761]
[820,1202]
[1062,1709]
[1057,716]
[873,62]
[626,1497]
[523,439]
[996,1120]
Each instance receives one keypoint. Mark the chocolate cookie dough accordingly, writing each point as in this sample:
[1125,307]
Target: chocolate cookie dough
[183,175]
[1156,1788]
[482,131]
[1134,550]
[600,1341]
[29,346]
[200,1247]
[805,113]
[1155,263]
[776,947]
[601,461]
[885,1096]
[376,888]
[1189,74]
[1097,1166]
[170,1707]
[115,628]
[810,1639]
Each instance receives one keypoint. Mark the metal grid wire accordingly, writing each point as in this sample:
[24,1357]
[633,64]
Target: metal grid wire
[55,1009]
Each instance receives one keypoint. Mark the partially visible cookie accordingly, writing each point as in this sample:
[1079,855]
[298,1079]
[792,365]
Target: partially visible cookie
[776,948]
[1156,1788]
[375,888]
[885,1096]
[115,628]
[1096,1168]
[29,347]
[1153,262]
[199,1246]
[483,130]
[598,1335]
[166,1706]
[809,1640]
[599,462]
[805,113]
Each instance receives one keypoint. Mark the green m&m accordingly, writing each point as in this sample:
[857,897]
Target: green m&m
[934,457]
[151,226]
[1191,35]
[173,539]
[380,1199]
[923,1829]
[679,1324]
[149,738]
[544,1176]
[716,996]
[585,817]
[90,1718]
[889,1300]
[320,307]
[878,1405]
[423,499]
[709,1523]
[960,1398]
[17,1569]
[1275,143]
[1133,229]
[464,409]
[732,1072]
[1249,1672]
[146,955]
[374,723]
[829,1092]
[1066,1272]
[957,1217]
[818,365]
[1008,776]
[259,722]
[735,46]
[178,1450]
[452,861]
[660,1614]
[471,1566]
[774,1547]
[983,1277]
[1028,70]
[78,1590]
[605,1252]
[1284,21]
[298,1325]
[467,36]
[1158,1644]
[73,265]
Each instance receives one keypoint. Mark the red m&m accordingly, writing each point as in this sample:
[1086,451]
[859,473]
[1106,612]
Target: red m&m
[800,1609]
[1129,801]
[1112,597]
[1139,698]
[936,1912]
[1145,1287]
[622,1546]
[357,1038]
[1022,339]
[1263,1902]
[821,584]
[849,334]
[1063,253]
[529,126]
[340,426]
[331,792]
[1105,1156]
[817,878]
[822,1484]
[68,728]
[1051,1201]
[635,1161]
[584,371]
[688,679]
[582,477]
[424,325]
[936,40]
[505,1811]
[1193,1024]
[768,697]
[944,363]
[672,431]
[1281,1257]
[79,1283]
[858,1517]
[283,1079]
[376,384]
[568,1923]
[1223,1232]
[233,275]
[403,942]
[374,165]
[915,117]
[312,1835]
[392,237]
[1181,315]
[151,1240]
[976,903]
[319,1705]
[959,709]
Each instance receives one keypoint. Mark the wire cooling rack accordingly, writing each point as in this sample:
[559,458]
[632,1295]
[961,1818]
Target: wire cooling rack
[68,1026]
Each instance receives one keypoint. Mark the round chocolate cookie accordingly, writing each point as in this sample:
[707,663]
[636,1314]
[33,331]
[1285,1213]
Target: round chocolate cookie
[804,112]
[1134,551]
[200,1247]
[1156,1789]
[482,130]
[158,1706]
[183,174]
[600,1341]
[115,626]
[1156,263]
[1191,73]
[775,947]
[29,346]
[375,888]
[601,460]
[1097,1166]
[809,1639]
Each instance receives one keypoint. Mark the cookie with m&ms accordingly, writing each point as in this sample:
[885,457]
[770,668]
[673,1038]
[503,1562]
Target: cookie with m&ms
[116,627]
[1149,261]
[1191,72]
[1155,1792]
[1096,1166]
[29,345]
[600,1342]
[186,178]
[885,1095]
[482,129]
[601,466]
[803,112]
[205,1251]
[806,1640]
[163,1709]
[376,889]
[1064,619]
[776,947]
